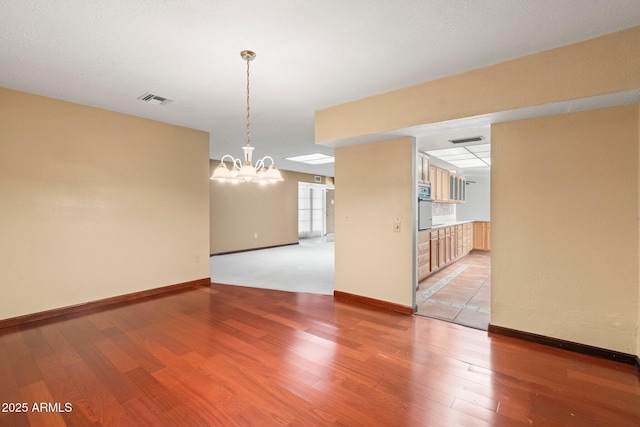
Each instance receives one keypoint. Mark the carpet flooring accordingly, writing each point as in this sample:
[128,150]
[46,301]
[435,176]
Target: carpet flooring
[307,267]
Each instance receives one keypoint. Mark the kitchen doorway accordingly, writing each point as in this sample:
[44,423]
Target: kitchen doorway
[457,286]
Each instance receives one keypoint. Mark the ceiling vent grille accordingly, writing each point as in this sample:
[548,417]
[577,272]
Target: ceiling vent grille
[465,140]
[154,99]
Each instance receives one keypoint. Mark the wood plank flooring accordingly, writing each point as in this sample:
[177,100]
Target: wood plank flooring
[234,356]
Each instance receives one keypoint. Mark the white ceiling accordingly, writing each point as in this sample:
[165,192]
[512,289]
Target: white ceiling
[311,54]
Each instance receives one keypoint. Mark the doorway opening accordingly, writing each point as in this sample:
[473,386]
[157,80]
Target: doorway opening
[456,251]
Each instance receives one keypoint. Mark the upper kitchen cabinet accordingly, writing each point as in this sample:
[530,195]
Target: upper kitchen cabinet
[453,187]
[446,187]
[422,168]
[461,189]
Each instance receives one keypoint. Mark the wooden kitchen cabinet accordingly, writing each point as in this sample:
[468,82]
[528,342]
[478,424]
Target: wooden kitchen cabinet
[446,245]
[423,169]
[446,187]
[454,244]
[439,184]
[433,180]
[461,189]
[442,251]
[454,187]
[443,186]
[438,249]
[487,236]
[467,237]
[434,251]
[424,254]
[482,236]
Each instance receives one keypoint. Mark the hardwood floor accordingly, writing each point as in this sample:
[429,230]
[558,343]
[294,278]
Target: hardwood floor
[234,356]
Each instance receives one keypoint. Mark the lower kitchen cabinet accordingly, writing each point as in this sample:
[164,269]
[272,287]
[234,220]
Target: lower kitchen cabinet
[424,254]
[446,245]
[459,240]
[448,241]
[441,250]
[467,237]
[436,255]
[482,236]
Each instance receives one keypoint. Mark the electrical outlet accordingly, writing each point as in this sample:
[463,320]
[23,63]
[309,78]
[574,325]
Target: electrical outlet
[255,235]
[396,226]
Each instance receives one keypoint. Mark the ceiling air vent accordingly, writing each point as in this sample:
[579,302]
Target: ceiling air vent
[464,140]
[154,99]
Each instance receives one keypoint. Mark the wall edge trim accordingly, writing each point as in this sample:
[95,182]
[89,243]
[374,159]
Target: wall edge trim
[253,249]
[602,353]
[371,302]
[58,312]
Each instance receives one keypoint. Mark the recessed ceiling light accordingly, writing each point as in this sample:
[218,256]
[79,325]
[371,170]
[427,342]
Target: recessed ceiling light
[473,156]
[457,156]
[313,159]
[446,151]
[482,148]
[468,163]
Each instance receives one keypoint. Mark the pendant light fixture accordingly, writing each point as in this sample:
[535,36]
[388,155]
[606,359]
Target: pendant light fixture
[246,171]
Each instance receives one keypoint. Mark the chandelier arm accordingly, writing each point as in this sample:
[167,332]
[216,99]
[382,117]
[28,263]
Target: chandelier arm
[229,156]
[264,159]
[237,163]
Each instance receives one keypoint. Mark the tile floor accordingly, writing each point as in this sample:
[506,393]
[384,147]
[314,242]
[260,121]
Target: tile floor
[459,293]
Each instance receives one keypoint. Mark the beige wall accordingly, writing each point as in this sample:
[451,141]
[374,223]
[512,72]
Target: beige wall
[240,210]
[565,227]
[96,204]
[374,189]
[603,65]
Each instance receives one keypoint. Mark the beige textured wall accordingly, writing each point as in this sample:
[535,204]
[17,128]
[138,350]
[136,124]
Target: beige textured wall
[372,260]
[603,65]
[96,204]
[240,210]
[565,227]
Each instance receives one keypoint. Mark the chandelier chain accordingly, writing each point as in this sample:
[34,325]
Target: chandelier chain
[248,107]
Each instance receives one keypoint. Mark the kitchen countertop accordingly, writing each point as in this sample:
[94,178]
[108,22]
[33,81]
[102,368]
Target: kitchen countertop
[450,223]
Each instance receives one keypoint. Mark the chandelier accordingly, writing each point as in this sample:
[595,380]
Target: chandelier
[246,171]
